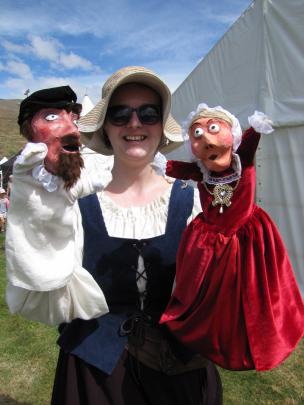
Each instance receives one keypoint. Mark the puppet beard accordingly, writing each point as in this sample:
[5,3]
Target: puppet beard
[69,168]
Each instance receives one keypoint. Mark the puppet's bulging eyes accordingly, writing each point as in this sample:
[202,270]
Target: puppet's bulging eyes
[51,117]
[214,128]
[198,132]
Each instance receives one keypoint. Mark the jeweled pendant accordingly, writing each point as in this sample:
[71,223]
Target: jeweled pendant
[222,194]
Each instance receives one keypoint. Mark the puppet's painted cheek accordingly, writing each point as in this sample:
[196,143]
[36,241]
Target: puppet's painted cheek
[222,139]
[41,132]
[53,156]
[197,150]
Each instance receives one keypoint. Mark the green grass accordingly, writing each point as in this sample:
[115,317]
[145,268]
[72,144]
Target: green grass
[28,356]
[10,139]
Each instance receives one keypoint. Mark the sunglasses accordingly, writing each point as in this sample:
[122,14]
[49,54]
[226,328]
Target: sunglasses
[120,115]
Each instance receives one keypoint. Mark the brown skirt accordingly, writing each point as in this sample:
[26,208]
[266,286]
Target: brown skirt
[132,383]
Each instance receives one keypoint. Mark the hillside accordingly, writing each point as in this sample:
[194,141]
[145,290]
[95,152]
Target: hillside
[10,139]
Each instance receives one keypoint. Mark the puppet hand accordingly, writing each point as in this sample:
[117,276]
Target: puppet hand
[31,159]
[260,123]
[159,164]
[89,183]
[32,155]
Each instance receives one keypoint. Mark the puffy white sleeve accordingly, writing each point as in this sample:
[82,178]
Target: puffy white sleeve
[197,207]
[46,281]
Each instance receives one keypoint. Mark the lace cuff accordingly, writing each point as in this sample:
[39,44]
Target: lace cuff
[260,123]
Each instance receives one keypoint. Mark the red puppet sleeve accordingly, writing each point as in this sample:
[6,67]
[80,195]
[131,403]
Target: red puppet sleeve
[183,170]
[248,146]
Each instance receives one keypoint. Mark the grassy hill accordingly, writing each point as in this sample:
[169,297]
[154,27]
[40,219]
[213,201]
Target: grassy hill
[10,139]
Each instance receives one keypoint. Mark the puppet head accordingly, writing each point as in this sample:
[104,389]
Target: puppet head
[212,134]
[50,116]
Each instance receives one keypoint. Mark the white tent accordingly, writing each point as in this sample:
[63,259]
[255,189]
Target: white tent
[87,105]
[94,161]
[259,65]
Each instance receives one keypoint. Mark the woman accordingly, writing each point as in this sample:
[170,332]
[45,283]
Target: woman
[4,203]
[131,232]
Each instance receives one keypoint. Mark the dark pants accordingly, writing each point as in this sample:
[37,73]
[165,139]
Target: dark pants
[132,383]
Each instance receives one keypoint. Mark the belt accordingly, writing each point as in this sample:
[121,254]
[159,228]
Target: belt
[148,344]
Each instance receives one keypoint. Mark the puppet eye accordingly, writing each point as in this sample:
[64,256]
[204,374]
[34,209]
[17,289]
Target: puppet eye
[51,117]
[214,128]
[198,132]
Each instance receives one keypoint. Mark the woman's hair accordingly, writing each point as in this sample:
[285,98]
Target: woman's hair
[106,139]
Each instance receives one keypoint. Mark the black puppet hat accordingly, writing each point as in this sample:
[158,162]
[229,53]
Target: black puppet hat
[57,97]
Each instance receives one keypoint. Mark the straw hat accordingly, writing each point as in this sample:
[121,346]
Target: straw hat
[91,125]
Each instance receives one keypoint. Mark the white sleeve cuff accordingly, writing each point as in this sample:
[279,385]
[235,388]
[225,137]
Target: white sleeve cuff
[80,298]
[260,123]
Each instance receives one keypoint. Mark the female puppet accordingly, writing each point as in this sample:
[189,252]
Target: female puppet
[236,300]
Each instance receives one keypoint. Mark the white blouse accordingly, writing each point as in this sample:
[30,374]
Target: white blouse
[140,222]
[79,296]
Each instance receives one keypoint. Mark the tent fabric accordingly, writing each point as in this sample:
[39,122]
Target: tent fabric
[95,162]
[87,105]
[279,167]
[259,65]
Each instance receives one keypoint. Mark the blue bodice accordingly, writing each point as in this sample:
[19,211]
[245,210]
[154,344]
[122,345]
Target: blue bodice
[113,264]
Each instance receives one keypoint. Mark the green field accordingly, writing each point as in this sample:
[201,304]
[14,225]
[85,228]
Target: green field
[28,355]
[10,139]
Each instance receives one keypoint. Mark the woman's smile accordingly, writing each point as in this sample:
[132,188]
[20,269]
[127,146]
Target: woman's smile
[136,138]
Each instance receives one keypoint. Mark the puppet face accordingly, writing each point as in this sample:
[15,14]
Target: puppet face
[211,142]
[57,129]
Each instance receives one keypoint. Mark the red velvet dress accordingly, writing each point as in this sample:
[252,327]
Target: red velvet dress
[236,300]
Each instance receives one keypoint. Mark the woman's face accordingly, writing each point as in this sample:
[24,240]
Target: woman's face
[211,141]
[134,140]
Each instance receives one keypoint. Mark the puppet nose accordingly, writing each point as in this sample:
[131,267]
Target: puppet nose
[210,141]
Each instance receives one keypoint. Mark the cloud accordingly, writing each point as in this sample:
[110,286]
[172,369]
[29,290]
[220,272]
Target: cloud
[15,48]
[72,61]
[85,41]
[85,84]
[51,50]
[45,48]
[120,20]
[17,68]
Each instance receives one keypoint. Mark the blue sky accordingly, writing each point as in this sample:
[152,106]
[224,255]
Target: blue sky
[81,42]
